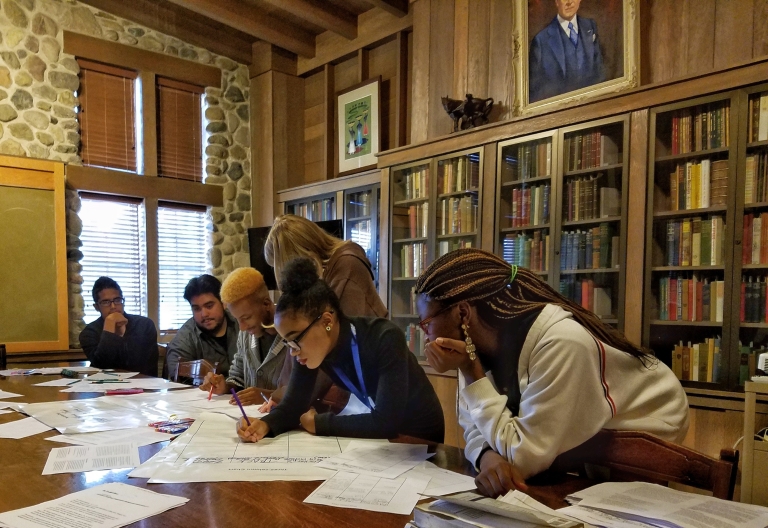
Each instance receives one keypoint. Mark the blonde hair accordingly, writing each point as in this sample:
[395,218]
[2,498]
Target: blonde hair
[292,237]
[241,283]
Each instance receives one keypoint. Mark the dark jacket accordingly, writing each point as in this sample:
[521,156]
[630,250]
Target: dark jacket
[191,343]
[405,402]
[136,351]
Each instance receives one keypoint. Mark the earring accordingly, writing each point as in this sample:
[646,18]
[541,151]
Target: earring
[328,328]
[470,346]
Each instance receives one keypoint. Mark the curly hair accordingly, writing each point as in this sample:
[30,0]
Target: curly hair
[241,283]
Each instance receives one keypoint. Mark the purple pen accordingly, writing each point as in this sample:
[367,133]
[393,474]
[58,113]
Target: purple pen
[234,394]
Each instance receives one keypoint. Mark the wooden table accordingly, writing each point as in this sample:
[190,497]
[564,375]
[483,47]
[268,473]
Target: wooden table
[226,504]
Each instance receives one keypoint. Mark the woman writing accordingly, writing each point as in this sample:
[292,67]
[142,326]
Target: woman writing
[542,374]
[368,357]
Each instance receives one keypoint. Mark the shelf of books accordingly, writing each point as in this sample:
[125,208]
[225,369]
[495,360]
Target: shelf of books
[524,192]
[690,218]
[435,209]
[361,222]
[317,209]
[592,218]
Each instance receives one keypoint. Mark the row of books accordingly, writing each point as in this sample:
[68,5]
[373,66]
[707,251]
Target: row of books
[528,160]
[528,251]
[446,246]
[695,241]
[592,248]
[589,150]
[416,339]
[413,259]
[755,188]
[458,174]
[690,299]
[757,126]
[694,185]
[698,361]
[530,205]
[414,183]
[701,128]
[754,243]
[753,300]
[359,204]
[596,299]
[418,220]
[584,200]
[317,210]
[457,215]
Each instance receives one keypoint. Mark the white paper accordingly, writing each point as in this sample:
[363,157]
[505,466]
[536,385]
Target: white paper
[474,517]
[140,436]
[4,394]
[141,383]
[91,458]
[111,375]
[642,501]
[441,481]
[363,492]
[22,428]
[106,506]
[5,412]
[61,382]
[386,460]
[600,518]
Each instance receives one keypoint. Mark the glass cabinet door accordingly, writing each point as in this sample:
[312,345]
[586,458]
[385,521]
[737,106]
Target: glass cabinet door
[457,220]
[361,214]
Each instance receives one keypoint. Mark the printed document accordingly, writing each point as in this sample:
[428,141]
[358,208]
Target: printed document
[385,460]
[363,492]
[91,458]
[106,506]
[442,481]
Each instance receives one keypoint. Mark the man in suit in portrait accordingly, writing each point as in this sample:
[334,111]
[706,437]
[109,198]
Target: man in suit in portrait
[565,55]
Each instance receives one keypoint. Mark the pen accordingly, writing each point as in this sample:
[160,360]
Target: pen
[108,381]
[234,394]
[266,400]
[210,391]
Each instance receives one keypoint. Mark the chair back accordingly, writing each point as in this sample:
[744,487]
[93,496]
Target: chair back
[635,455]
[192,371]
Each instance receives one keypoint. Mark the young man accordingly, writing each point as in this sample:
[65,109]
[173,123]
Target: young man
[260,356]
[211,333]
[116,339]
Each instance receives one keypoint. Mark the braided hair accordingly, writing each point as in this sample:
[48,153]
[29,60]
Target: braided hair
[501,292]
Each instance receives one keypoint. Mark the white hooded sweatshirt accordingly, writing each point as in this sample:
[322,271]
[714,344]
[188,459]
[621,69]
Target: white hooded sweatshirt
[571,387]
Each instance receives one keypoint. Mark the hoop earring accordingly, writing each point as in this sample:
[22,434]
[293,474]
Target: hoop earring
[328,328]
[470,346]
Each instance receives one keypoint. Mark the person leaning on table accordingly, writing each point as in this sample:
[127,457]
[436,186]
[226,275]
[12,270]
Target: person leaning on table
[540,375]
[369,357]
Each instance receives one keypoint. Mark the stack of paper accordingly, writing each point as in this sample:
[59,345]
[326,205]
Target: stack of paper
[106,506]
[623,504]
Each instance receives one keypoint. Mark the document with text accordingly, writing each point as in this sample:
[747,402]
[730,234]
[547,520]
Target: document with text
[91,458]
[385,460]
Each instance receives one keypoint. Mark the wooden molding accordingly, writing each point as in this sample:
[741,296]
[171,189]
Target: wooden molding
[255,22]
[106,181]
[401,91]
[153,260]
[373,26]
[149,122]
[398,8]
[361,179]
[338,21]
[268,57]
[101,50]
[329,137]
[420,69]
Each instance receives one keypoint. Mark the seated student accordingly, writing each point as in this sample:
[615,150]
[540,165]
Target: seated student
[557,374]
[211,333]
[369,357]
[256,367]
[118,340]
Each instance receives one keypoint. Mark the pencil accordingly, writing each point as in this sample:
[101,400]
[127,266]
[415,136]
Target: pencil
[234,394]
[210,391]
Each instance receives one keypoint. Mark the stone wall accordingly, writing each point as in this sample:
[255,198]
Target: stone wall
[38,83]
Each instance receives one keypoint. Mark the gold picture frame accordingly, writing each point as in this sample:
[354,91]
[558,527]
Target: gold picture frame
[534,19]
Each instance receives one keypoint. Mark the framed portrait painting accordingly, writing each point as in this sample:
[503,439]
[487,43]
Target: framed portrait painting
[570,50]
[357,112]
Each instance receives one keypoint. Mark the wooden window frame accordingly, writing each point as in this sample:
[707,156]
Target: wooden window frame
[144,185]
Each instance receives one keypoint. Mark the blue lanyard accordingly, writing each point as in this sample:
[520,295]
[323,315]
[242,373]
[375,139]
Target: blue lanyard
[361,393]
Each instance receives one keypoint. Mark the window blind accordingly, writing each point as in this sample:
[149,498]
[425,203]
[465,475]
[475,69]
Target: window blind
[183,253]
[107,116]
[113,246]
[180,130]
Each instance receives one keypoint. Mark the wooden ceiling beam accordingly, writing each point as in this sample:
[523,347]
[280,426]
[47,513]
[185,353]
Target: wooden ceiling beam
[254,22]
[166,18]
[398,8]
[340,22]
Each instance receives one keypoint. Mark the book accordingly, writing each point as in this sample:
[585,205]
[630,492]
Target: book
[610,202]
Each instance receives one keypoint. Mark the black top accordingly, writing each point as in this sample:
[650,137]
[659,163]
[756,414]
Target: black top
[136,351]
[405,402]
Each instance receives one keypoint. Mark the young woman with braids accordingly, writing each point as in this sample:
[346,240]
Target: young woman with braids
[369,357]
[541,374]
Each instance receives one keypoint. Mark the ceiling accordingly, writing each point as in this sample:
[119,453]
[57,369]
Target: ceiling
[230,27]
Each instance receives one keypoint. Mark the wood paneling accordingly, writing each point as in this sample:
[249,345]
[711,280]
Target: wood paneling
[460,48]
[345,74]
[733,35]
[440,66]
[330,154]
[420,62]
[760,29]
[383,61]
[478,54]
[446,388]
[700,53]
[314,122]
[500,68]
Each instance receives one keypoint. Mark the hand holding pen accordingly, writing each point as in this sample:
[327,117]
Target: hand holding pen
[249,430]
[210,391]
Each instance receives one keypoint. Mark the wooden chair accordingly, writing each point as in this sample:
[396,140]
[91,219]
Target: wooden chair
[634,455]
[192,372]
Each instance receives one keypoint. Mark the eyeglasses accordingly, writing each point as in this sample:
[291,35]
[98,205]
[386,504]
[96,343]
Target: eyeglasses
[106,303]
[294,343]
[424,323]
